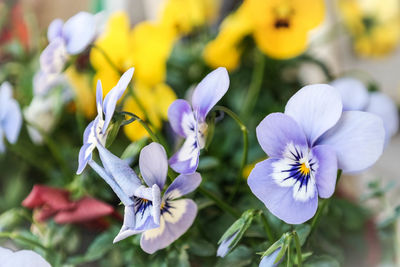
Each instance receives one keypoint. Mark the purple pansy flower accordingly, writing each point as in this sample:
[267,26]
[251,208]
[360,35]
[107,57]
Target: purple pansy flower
[190,121]
[65,39]
[96,131]
[306,146]
[355,96]
[10,116]
[176,214]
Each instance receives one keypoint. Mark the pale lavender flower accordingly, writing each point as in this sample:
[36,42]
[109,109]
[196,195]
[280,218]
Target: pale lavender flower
[306,146]
[21,258]
[190,121]
[65,39]
[269,261]
[223,248]
[10,116]
[96,131]
[355,96]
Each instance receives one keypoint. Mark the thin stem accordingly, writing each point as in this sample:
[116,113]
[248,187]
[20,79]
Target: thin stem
[298,248]
[267,227]
[289,251]
[220,203]
[244,130]
[22,238]
[108,59]
[255,85]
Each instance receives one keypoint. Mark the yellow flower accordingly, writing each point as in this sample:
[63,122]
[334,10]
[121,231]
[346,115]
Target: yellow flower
[279,27]
[84,96]
[374,25]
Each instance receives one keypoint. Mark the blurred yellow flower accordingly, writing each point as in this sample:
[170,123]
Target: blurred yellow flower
[373,24]
[279,27]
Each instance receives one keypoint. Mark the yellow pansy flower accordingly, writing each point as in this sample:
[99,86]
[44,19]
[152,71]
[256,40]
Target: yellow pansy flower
[279,27]
[374,25]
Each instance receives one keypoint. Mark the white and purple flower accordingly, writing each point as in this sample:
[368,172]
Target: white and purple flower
[190,121]
[65,39]
[355,96]
[96,131]
[306,146]
[10,116]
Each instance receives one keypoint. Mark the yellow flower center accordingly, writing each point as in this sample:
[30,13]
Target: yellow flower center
[304,169]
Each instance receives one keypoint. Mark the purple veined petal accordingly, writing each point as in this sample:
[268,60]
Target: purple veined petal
[111,182]
[144,211]
[153,164]
[85,154]
[120,171]
[224,246]
[327,170]
[152,194]
[209,91]
[55,29]
[181,118]
[269,261]
[128,226]
[12,121]
[79,31]
[383,106]
[99,99]
[173,224]
[316,108]
[22,258]
[358,139]
[54,57]
[353,92]
[186,160]
[110,101]
[88,132]
[277,130]
[278,199]
[182,185]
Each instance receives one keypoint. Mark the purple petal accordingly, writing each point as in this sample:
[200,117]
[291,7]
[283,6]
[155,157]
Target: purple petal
[327,169]
[269,261]
[209,91]
[54,57]
[110,101]
[182,185]
[278,199]
[276,131]
[316,108]
[358,140]
[186,160]
[85,154]
[5,96]
[383,106]
[22,258]
[353,92]
[153,164]
[88,132]
[55,29]
[224,246]
[99,98]
[181,118]
[120,171]
[112,183]
[12,121]
[79,32]
[173,224]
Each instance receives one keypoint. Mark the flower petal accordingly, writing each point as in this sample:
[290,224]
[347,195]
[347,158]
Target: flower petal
[383,106]
[224,246]
[54,57]
[110,101]
[181,118]
[358,140]
[173,224]
[269,261]
[327,170]
[316,108]
[186,160]
[279,200]
[353,92]
[153,164]
[55,29]
[22,258]
[12,121]
[85,154]
[276,131]
[182,185]
[99,98]
[209,91]
[120,171]
[79,31]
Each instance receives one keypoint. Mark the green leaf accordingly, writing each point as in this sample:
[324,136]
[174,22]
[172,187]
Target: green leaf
[322,261]
[303,230]
[10,219]
[134,148]
[202,248]
[113,129]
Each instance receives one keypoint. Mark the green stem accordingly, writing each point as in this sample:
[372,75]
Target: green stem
[298,249]
[108,59]
[22,238]
[267,227]
[244,130]
[255,85]
[319,63]
[289,251]
[220,203]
